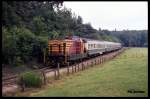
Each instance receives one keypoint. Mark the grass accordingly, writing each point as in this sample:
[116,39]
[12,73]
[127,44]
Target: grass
[114,78]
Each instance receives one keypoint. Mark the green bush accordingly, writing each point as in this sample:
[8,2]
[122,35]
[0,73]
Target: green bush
[31,79]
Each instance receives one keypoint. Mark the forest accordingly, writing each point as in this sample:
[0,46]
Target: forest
[28,25]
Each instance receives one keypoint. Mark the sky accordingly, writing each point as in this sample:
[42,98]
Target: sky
[112,15]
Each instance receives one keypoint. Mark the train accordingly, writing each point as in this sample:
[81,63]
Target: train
[74,48]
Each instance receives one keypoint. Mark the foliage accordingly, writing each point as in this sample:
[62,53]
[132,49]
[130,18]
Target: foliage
[132,37]
[17,42]
[27,26]
[40,43]
[39,26]
[30,79]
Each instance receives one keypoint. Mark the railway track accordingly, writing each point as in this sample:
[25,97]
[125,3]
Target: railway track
[11,81]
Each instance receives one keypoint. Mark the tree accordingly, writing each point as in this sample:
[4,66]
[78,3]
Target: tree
[39,26]
[79,20]
[18,40]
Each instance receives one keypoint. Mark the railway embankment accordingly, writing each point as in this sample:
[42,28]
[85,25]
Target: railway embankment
[10,86]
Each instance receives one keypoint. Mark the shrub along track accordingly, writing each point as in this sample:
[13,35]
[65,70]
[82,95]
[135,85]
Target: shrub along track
[10,86]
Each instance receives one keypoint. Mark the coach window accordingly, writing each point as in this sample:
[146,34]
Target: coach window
[102,46]
[88,46]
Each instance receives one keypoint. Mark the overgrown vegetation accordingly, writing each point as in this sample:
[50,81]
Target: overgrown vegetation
[20,45]
[30,79]
[27,26]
